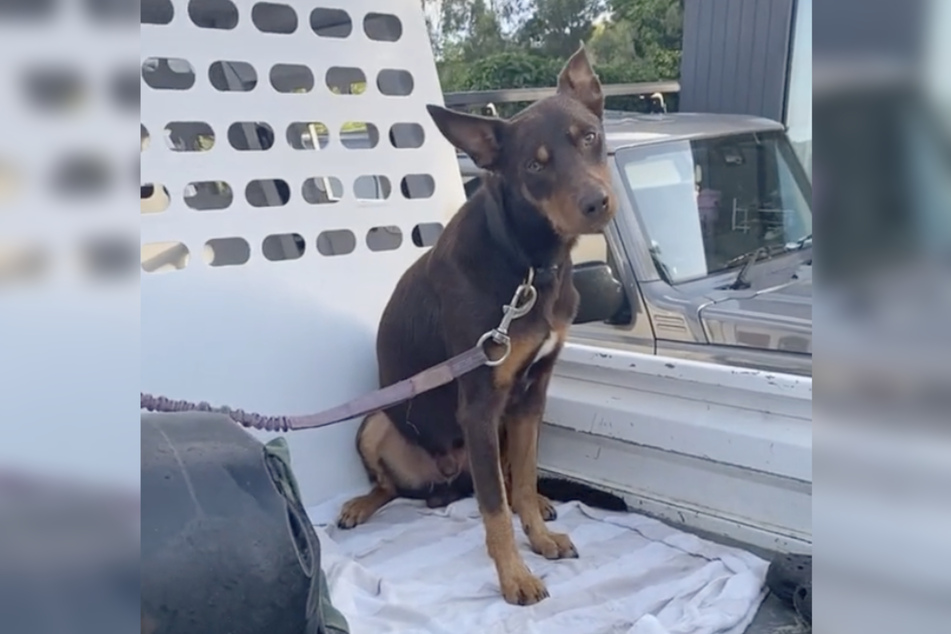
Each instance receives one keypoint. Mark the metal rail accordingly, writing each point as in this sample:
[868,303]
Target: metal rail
[512,95]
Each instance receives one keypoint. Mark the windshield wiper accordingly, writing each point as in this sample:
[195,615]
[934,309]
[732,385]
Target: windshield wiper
[800,244]
[751,258]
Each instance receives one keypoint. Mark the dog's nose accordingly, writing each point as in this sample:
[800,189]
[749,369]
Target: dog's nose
[595,203]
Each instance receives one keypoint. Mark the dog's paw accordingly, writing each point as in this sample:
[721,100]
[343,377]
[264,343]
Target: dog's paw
[356,512]
[549,514]
[552,545]
[522,587]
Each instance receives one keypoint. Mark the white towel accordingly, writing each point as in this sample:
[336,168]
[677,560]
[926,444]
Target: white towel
[414,570]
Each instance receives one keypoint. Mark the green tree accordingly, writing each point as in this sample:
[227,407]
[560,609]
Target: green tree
[492,44]
[656,32]
[556,27]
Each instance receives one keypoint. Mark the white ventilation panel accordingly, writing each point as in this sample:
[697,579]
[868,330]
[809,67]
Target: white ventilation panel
[291,174]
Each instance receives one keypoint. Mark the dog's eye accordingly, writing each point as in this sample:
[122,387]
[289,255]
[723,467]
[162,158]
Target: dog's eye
[533,166]
[590,138]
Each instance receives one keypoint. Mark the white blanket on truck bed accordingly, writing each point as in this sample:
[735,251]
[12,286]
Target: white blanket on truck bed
[412,570]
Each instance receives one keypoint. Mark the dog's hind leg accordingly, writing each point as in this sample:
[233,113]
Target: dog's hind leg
[371,441]
[360,509]
[547,509]
[545,506]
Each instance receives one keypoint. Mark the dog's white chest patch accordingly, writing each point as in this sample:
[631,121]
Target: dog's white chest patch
[547,348]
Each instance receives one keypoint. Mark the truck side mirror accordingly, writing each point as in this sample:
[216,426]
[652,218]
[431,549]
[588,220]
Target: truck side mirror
[602,295]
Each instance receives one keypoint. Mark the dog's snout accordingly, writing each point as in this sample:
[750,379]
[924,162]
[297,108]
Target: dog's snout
[595,203]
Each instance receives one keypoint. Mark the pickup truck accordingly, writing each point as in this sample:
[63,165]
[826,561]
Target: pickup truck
[709,257]
[685,387]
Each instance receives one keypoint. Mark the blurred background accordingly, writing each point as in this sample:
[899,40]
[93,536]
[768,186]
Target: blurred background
[69,261]
[69,316]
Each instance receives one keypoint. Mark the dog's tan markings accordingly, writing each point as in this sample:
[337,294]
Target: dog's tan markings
[519,585]
[560,210]
[542,155]
[523,456]
[547,509]
[375,439]
[360,509]
[522,352]
[574,132]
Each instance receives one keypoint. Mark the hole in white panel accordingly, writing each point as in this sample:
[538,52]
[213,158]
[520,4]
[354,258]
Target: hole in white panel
[407,135]
[213,14]
[331,22]
[164,73]
[22,263]
[160,257]
[283,246]
[372,187]
[336,242]
[382,27]
[417,186]
[107,256]
[251,136]
[125,89]
[322,190]
[226,252]
[425,234]
[82,175]
[145,137]
[112,11]
[359,135]
[55,88]
[267,192]
[308,135]
[270,17]
[233,76]
[208,195]
[11,10]
[394,82]
[189,136]
[154,199]
[293,78]
[156,11]
[346,80]
[384,238]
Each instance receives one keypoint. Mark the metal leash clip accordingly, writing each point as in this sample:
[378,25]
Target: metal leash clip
[522,302]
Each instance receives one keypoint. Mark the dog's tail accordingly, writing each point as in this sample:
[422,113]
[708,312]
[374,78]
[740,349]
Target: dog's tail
[562,490]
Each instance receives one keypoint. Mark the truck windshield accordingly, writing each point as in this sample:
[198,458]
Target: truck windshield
[704,204]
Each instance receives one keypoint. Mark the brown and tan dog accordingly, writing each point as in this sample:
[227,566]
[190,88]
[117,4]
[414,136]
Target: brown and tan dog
[548,184]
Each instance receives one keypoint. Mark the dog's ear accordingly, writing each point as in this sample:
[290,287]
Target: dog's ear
[579,81]
[479,137]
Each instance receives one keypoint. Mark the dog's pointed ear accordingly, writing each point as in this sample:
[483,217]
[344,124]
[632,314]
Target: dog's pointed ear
[479,137]
[579,81]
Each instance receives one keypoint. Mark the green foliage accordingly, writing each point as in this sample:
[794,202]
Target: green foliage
[510,69]
[493,44]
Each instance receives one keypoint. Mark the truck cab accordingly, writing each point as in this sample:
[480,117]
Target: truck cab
[710,253]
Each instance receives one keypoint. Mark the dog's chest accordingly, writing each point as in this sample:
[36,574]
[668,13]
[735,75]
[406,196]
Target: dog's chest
[548,347]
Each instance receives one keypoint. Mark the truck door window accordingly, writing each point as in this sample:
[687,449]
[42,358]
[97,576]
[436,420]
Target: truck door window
[703,204]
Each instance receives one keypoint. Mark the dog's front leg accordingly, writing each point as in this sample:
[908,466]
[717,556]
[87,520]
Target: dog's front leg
[522,422]
[480,409]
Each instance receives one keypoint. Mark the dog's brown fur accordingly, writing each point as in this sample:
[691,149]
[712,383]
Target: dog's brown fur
[399,468]
[548,183]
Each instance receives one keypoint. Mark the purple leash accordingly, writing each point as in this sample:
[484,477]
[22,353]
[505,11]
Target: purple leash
[428,379]
[404,390]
